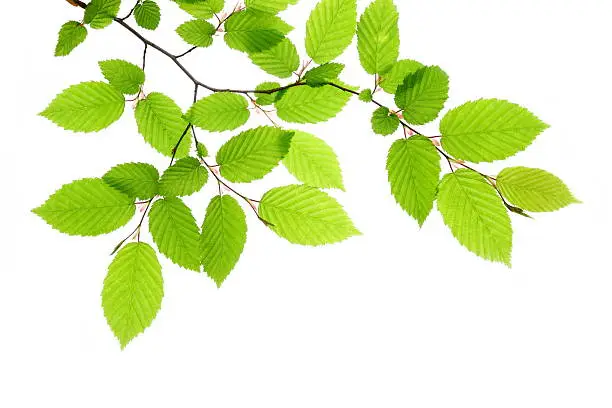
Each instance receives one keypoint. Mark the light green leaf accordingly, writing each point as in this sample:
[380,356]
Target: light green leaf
[489,129]
[123,75]
[160,121]
[253,153]
[306,216]
[304,104]
[476,215]
[100,13]
[330,29]
[175,232]
[366,96]
[413,166]
[133,291]
[87,207]
[270,6]
[384,122]
[183,178]
[136,180]
[223,237]
[219,112]
[378,37]
[422,95]
[201,9]
[253,31]
[313,162]
[201,149]
[323,74]
[394,77]
[147,15]
[267,99]
[534,189]
[280,60]
[71,35]
[86,107]
[197,32]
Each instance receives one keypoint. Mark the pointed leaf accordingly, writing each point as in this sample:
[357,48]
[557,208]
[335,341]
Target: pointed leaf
[422,95]
[378,37]
[303,104]
[147,15]
[394,77]
[219,112]
[197,32]
[384,122]
[280,60]
[330,29]
[71,35]
[183,178]
[323,74]
[100,13]
[123,75]
[253,31]
[270,6]
[136,180]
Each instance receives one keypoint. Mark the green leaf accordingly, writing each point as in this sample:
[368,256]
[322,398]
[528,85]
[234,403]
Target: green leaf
[201,9]
[306,216]
[378,38]
[475,215]
[87,207]
[219,112]
[160,121]
[100,13]
[323,74]
[136,180]
[413,166]
[175,232]
[86,107]
[223,237]
[384,122]
[489,129]
[71,35]
[147,15]
[253,153]
[303,104]
[267,99]
[252,31]
[133,291]
[534,189]
[280,60]
[422,95]
[197,32]
[270,6]
[313,162]
[394,77]
[123,75]
[330,29]
[185,177]
[366,96]
[202,150]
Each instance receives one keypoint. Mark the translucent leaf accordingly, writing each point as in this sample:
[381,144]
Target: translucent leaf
[306,216]
[253,153]
[197,32]
[366,96]
[330,29]
[270,6]
[87,207]
[323,74]
[476,215]
[147,15]
[223,237]
[281,60]
[413,166]
[219,112]
[534,189]
[201,9]
[183,178]
[422,95]
[304,104]
[133,291]
[489,129]
[175,232]
[378,37]
[136,180]
[313,162]
[253,31]
[86,107]
[267,99]
[71,35]
[394,77]
[384,122]
[123,75]
[100,13]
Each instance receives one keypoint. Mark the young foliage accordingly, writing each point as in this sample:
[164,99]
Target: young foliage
[269,6]
[198,33]
[123,75]
[395,75]
[219,112]
[136,180]
[100,13]
[281,60]
[384,122]
[147,14]
[304,104]
[330,29]
[185,177]
[264,99]
[252,31]
[71,35]
[323,74]
[422,95]
[378,38]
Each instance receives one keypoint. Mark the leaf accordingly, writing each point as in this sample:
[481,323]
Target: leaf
[534,189]
[185,177]
[136,180]
[133,291]
[413,166]
[253,153]
[366,96]
[303,104]
[489,129]
[147,15]
[201,9]
[394,77]
[384,122]
[123,75]
[267,99]
[280,60]
[323,74]
[197,32]
[223,237]
[475,215]
[86,107]
[219,112]
[160,121]
[313,162]
[330,29]
[378,38]
[201,150]
[87,207]
[269,6]
[252,31]
[71,35]
[175,232]
[422,95]
[306,216]
[100,13]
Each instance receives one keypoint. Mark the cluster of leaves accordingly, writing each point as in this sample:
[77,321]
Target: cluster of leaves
[474,206]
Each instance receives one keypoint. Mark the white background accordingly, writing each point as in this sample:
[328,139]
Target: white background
[399,317]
